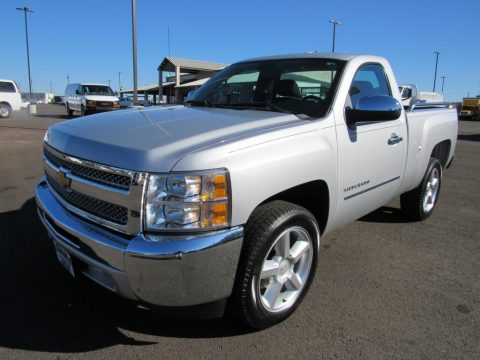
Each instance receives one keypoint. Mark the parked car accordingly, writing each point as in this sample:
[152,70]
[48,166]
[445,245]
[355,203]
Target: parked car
[125,102]
[128,102]
[58,100]
[411,95]
[88,98]
[225,199]
[470,108]
[10,98]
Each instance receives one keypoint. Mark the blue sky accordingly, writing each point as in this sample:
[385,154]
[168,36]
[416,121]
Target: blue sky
[90,40]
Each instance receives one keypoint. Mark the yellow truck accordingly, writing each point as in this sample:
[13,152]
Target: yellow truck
[471,108]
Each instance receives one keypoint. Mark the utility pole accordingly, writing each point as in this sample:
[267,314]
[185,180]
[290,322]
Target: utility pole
[51,91]
[168,29]
[25,10]
[109,83]
[335,23]
[68,79]
[443,81]
[119,82]
[436,66]
[134,45]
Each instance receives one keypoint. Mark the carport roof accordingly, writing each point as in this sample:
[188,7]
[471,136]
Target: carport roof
[169,63]
[148,88]
[193,83]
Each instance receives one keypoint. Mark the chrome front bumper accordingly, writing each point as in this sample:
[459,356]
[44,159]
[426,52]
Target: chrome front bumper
[171,271]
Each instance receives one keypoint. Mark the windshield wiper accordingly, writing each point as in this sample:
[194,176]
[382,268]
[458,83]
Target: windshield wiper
[263,106]
[273,107]
[198,102]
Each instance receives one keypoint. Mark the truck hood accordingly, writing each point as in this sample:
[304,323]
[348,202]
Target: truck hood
[155,139]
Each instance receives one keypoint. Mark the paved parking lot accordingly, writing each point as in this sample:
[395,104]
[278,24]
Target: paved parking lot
[385,288]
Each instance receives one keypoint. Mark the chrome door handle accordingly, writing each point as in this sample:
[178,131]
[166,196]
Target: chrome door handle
[394,139]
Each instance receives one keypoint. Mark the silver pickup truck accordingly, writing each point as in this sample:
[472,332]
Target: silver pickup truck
[226,197]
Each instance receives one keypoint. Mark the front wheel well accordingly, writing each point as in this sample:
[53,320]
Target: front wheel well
[313,196]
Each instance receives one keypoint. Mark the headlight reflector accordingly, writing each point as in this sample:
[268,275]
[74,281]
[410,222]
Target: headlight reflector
[197,201]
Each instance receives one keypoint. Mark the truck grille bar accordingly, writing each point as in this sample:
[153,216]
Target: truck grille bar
[97,176]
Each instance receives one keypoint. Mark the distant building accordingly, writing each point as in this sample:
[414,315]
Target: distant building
[189,75]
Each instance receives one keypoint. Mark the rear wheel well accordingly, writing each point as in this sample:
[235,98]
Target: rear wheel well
[441,151]
[313,196]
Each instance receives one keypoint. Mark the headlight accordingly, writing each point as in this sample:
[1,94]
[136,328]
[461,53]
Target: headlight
[90,102]
[198,201]
[45,137]
[116,103]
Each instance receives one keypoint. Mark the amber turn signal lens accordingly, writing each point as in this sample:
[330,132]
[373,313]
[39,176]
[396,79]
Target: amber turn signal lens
[220,182]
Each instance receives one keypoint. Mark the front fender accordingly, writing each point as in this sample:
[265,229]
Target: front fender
[266,165]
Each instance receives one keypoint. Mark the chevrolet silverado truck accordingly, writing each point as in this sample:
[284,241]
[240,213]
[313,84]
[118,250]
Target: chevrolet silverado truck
[224,199]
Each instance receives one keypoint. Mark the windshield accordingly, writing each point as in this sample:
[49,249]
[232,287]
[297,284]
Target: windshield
[294,86]
[97,90]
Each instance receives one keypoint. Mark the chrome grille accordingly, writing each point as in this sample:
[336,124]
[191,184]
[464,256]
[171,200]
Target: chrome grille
[95,175]
[109,196]
[115,213]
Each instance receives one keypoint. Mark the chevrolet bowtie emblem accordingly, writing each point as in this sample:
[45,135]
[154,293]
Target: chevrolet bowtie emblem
[62,178]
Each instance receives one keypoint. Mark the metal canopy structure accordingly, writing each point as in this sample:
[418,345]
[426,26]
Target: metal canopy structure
[193,84]
[182,68]
[189,66]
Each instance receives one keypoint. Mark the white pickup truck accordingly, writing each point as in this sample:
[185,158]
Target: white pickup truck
[225,199]
[10,98]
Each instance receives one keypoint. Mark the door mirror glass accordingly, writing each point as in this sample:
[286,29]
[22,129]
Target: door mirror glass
[374,109]
[78,92]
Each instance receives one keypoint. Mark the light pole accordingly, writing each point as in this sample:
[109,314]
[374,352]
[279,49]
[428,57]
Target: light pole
[134,45]
[443,81]
[25,10]
[119,82]
[109,83]
[335,23]
[51,88]
[436,65]
[68,79]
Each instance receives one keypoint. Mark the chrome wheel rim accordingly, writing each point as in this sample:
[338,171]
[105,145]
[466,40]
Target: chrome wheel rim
[431,190]
[3,111]
[285,270]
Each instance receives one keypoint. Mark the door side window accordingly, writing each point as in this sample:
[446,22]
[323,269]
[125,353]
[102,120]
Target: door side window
[370,80]
[6,86]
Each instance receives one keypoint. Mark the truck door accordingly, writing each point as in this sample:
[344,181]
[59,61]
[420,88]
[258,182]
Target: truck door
[371,155]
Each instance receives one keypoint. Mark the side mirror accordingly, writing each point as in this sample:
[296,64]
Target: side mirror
[373,109]
[78,92]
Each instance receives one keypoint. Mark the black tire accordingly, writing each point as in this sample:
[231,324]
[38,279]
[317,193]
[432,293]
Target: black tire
[268,225]
[419,203]
[5,111]
[69,111]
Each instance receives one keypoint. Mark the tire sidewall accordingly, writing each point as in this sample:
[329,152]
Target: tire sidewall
[433,164]
[9,111]
[298,218]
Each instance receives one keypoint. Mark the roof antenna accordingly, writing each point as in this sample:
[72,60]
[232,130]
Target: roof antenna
[314,51]
[168,29]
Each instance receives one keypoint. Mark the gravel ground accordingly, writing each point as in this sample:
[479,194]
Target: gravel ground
[385,288]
